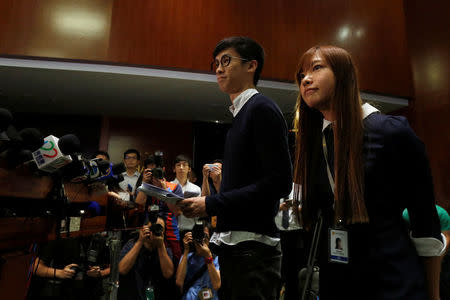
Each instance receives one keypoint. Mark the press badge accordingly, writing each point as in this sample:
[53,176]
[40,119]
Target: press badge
[338,245]
[205,294]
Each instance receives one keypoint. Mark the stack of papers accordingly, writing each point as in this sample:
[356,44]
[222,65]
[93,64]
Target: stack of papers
[159,193]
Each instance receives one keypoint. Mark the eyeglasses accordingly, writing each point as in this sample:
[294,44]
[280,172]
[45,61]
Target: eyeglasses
[224,61]
[130,157]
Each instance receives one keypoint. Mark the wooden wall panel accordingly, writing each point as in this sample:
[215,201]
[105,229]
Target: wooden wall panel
[429,46]
[74,29]
[182,34]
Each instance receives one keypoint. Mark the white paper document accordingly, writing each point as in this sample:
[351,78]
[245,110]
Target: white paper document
[159,193]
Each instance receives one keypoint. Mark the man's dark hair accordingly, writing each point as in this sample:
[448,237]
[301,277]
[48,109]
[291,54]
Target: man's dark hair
[246,48]
[150,160]
[132,151]
[101,152]
[217,160]
[182,157]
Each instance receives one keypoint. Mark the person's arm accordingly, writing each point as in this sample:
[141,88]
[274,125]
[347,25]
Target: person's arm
[216,176]
[105,272]
[182,267]
[165,261]
[42,270]
[407,152]
[128,261]
[97,272]
[214,274]
[146,176]
[141,198]
[205,182]
[432,272]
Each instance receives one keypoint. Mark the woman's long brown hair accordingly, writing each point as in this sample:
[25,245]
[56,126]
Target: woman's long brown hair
[348,141]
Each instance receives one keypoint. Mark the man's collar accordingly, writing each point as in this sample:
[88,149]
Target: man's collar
[240,100]
[367,110]
[178,182]
[136,173]
[325,124]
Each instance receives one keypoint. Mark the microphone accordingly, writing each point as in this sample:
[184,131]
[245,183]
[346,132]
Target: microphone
[69,144]
[32,138]
[100,170]
[113,172]
[16,150]
[49,157]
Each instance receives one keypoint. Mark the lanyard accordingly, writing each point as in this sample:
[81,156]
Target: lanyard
[325,154]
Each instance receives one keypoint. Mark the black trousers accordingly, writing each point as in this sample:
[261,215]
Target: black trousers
[295,254]
[250,270]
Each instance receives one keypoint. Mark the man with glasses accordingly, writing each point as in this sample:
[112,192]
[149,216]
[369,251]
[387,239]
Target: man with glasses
[131,158]
[256,173]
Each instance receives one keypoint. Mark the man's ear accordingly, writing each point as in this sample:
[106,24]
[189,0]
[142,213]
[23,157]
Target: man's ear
[252,65]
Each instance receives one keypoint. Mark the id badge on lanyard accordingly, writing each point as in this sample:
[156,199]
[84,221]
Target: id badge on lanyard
[338,251]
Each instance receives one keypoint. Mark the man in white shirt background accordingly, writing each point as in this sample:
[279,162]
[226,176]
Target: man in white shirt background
[131,158]
[182,168]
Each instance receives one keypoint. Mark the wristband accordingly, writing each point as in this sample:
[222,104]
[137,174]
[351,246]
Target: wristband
[208,260]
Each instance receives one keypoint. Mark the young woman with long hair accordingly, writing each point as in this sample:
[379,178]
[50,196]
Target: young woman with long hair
[360,169]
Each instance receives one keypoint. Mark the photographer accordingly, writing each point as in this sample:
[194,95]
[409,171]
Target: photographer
[154,174]
[70,269]
[146,263]
[182,168]
[198,275]
[213,171]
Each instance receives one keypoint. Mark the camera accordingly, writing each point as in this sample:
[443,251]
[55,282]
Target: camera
[79,272]
[198,233]
[158,171]
[155,228]
[210,166]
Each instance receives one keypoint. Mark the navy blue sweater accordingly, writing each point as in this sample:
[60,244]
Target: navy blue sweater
[257,170]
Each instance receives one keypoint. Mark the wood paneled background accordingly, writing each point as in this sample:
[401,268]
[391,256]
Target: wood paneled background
[401,47]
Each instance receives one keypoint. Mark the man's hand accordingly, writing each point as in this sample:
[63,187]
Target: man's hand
[205,171]
[144,233]
[216,173]
[67,272]
[159,183]
[193,207]
[94,272]
[147,177]
[158,241]
[202,249]
[187,240]
[285,206]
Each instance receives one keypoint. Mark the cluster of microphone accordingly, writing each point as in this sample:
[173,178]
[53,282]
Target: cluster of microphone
[51,155]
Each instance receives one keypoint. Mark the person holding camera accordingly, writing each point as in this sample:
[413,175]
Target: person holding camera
[68,268]
[146,263]
[198,275]
[154,174]
[214,172]
[182,168]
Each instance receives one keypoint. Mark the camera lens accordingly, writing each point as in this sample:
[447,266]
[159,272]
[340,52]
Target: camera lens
[156,229]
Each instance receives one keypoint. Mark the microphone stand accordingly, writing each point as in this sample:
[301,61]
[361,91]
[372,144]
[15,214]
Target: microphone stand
[114,247]
[311,258]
